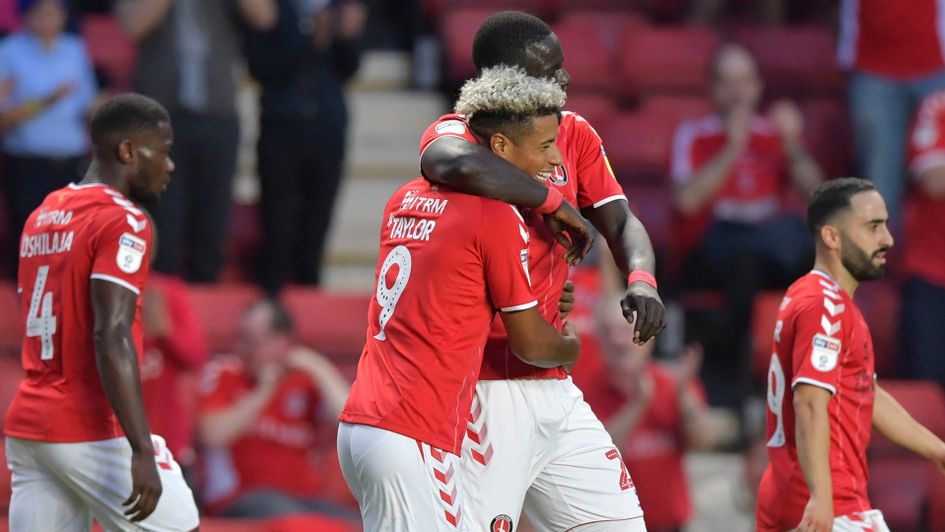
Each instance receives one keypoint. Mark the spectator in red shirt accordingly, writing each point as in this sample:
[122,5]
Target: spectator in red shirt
[733,171]
[260,413]
[922,322]
[894,52]
[654,416]
[174,351]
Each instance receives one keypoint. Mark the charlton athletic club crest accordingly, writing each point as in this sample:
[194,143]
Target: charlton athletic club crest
[501,523]
[559,175]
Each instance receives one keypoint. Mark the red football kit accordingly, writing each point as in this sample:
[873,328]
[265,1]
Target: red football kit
[585,180]
[274,453]
[78,233]
[820,339]
[925,215]
[447,262]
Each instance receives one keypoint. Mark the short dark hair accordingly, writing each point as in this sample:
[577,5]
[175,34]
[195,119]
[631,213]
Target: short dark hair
[503,38]
[126,113]
[832,197]
[280,319]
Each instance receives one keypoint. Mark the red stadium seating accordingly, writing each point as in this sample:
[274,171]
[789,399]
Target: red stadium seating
[590,40]
[110,49]
[763,319]
[665,60]
[794,60]
[457,29]
[879,302]
[219,309]
[11,373]
[11,326]
[595,108]
[653,205]
[638,146]
[828,134]
[678,108]
[334,324]
[901,482]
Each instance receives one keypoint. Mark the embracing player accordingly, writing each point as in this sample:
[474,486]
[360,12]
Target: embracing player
[78,442]
[533,440]
[823,398]
[448,261]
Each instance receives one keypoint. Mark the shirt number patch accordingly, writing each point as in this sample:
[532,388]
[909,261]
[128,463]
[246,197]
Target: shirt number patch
[130,253]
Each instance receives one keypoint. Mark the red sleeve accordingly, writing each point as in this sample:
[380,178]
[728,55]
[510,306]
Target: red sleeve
[451,125]
[927,139]
[817,342]
[186,344]
[218,388]
[121,251]
[597,184]
[503,241]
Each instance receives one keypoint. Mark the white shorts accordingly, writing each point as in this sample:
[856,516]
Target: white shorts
[870,521]
[536,444]
[62,486]
[402,484]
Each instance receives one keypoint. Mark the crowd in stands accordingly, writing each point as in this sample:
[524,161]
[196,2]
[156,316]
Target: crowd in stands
[719,118]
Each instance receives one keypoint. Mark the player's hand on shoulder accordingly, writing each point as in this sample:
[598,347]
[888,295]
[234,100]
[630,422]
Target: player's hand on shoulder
[818,516]
[572,231]
[643,308]
[145,486]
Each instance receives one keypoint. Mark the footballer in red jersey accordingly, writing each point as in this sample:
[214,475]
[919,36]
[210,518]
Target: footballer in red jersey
[78,442]
[532,441]
[448,262]
[823,398]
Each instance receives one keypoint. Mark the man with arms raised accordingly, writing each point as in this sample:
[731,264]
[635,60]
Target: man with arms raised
[77,421]
[533,440]
[823,397]
[448,261]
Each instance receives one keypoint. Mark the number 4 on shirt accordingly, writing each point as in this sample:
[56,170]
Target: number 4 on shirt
[41,322]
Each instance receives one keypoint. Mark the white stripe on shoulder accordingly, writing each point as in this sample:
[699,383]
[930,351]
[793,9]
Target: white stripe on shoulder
[116,280]
[515,210]
[609,199]
[814,382]
[523,306]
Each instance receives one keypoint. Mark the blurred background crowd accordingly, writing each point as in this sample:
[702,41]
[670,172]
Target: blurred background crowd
[294,120]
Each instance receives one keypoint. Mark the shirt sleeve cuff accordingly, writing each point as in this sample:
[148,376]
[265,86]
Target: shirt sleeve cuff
[814,382]
[116,280]
[523,306]
[609,199]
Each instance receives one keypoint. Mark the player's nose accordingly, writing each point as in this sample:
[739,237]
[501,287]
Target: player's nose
[554,155]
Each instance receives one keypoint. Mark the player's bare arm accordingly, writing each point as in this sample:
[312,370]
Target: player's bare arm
[536,342]
[893,421]
[813,452]
[114,309]
[630,246]
[473,169]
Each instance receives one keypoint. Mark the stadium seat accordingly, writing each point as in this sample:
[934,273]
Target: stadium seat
[611,23]
[334,324]
[219,309]
[879,302]
[763,318]
[924,400]
[828,134]
[638,146]
[11,373]
[11,327]
[595,108]
[589,58]
[457,30]
[673,59]
[794,60]
[110,49]
[678,108]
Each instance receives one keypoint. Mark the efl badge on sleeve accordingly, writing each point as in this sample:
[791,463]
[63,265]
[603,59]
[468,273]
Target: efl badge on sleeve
[825,352]
[130,252]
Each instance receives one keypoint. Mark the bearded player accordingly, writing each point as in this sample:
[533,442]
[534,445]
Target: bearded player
[448,261]
[78,442]
[823,398]
[533,441]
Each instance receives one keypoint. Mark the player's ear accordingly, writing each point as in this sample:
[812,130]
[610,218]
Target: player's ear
[126,152]
[830,236]
[499,144]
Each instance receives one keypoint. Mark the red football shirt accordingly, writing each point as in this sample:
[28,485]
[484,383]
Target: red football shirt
[900,39]
[78,233]
[586,180]
[447,262]
[924,252]
[655,449]
[274,452]
[820,339]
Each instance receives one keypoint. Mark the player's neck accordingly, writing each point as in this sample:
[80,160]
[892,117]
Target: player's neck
[833,267]
[101,173]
